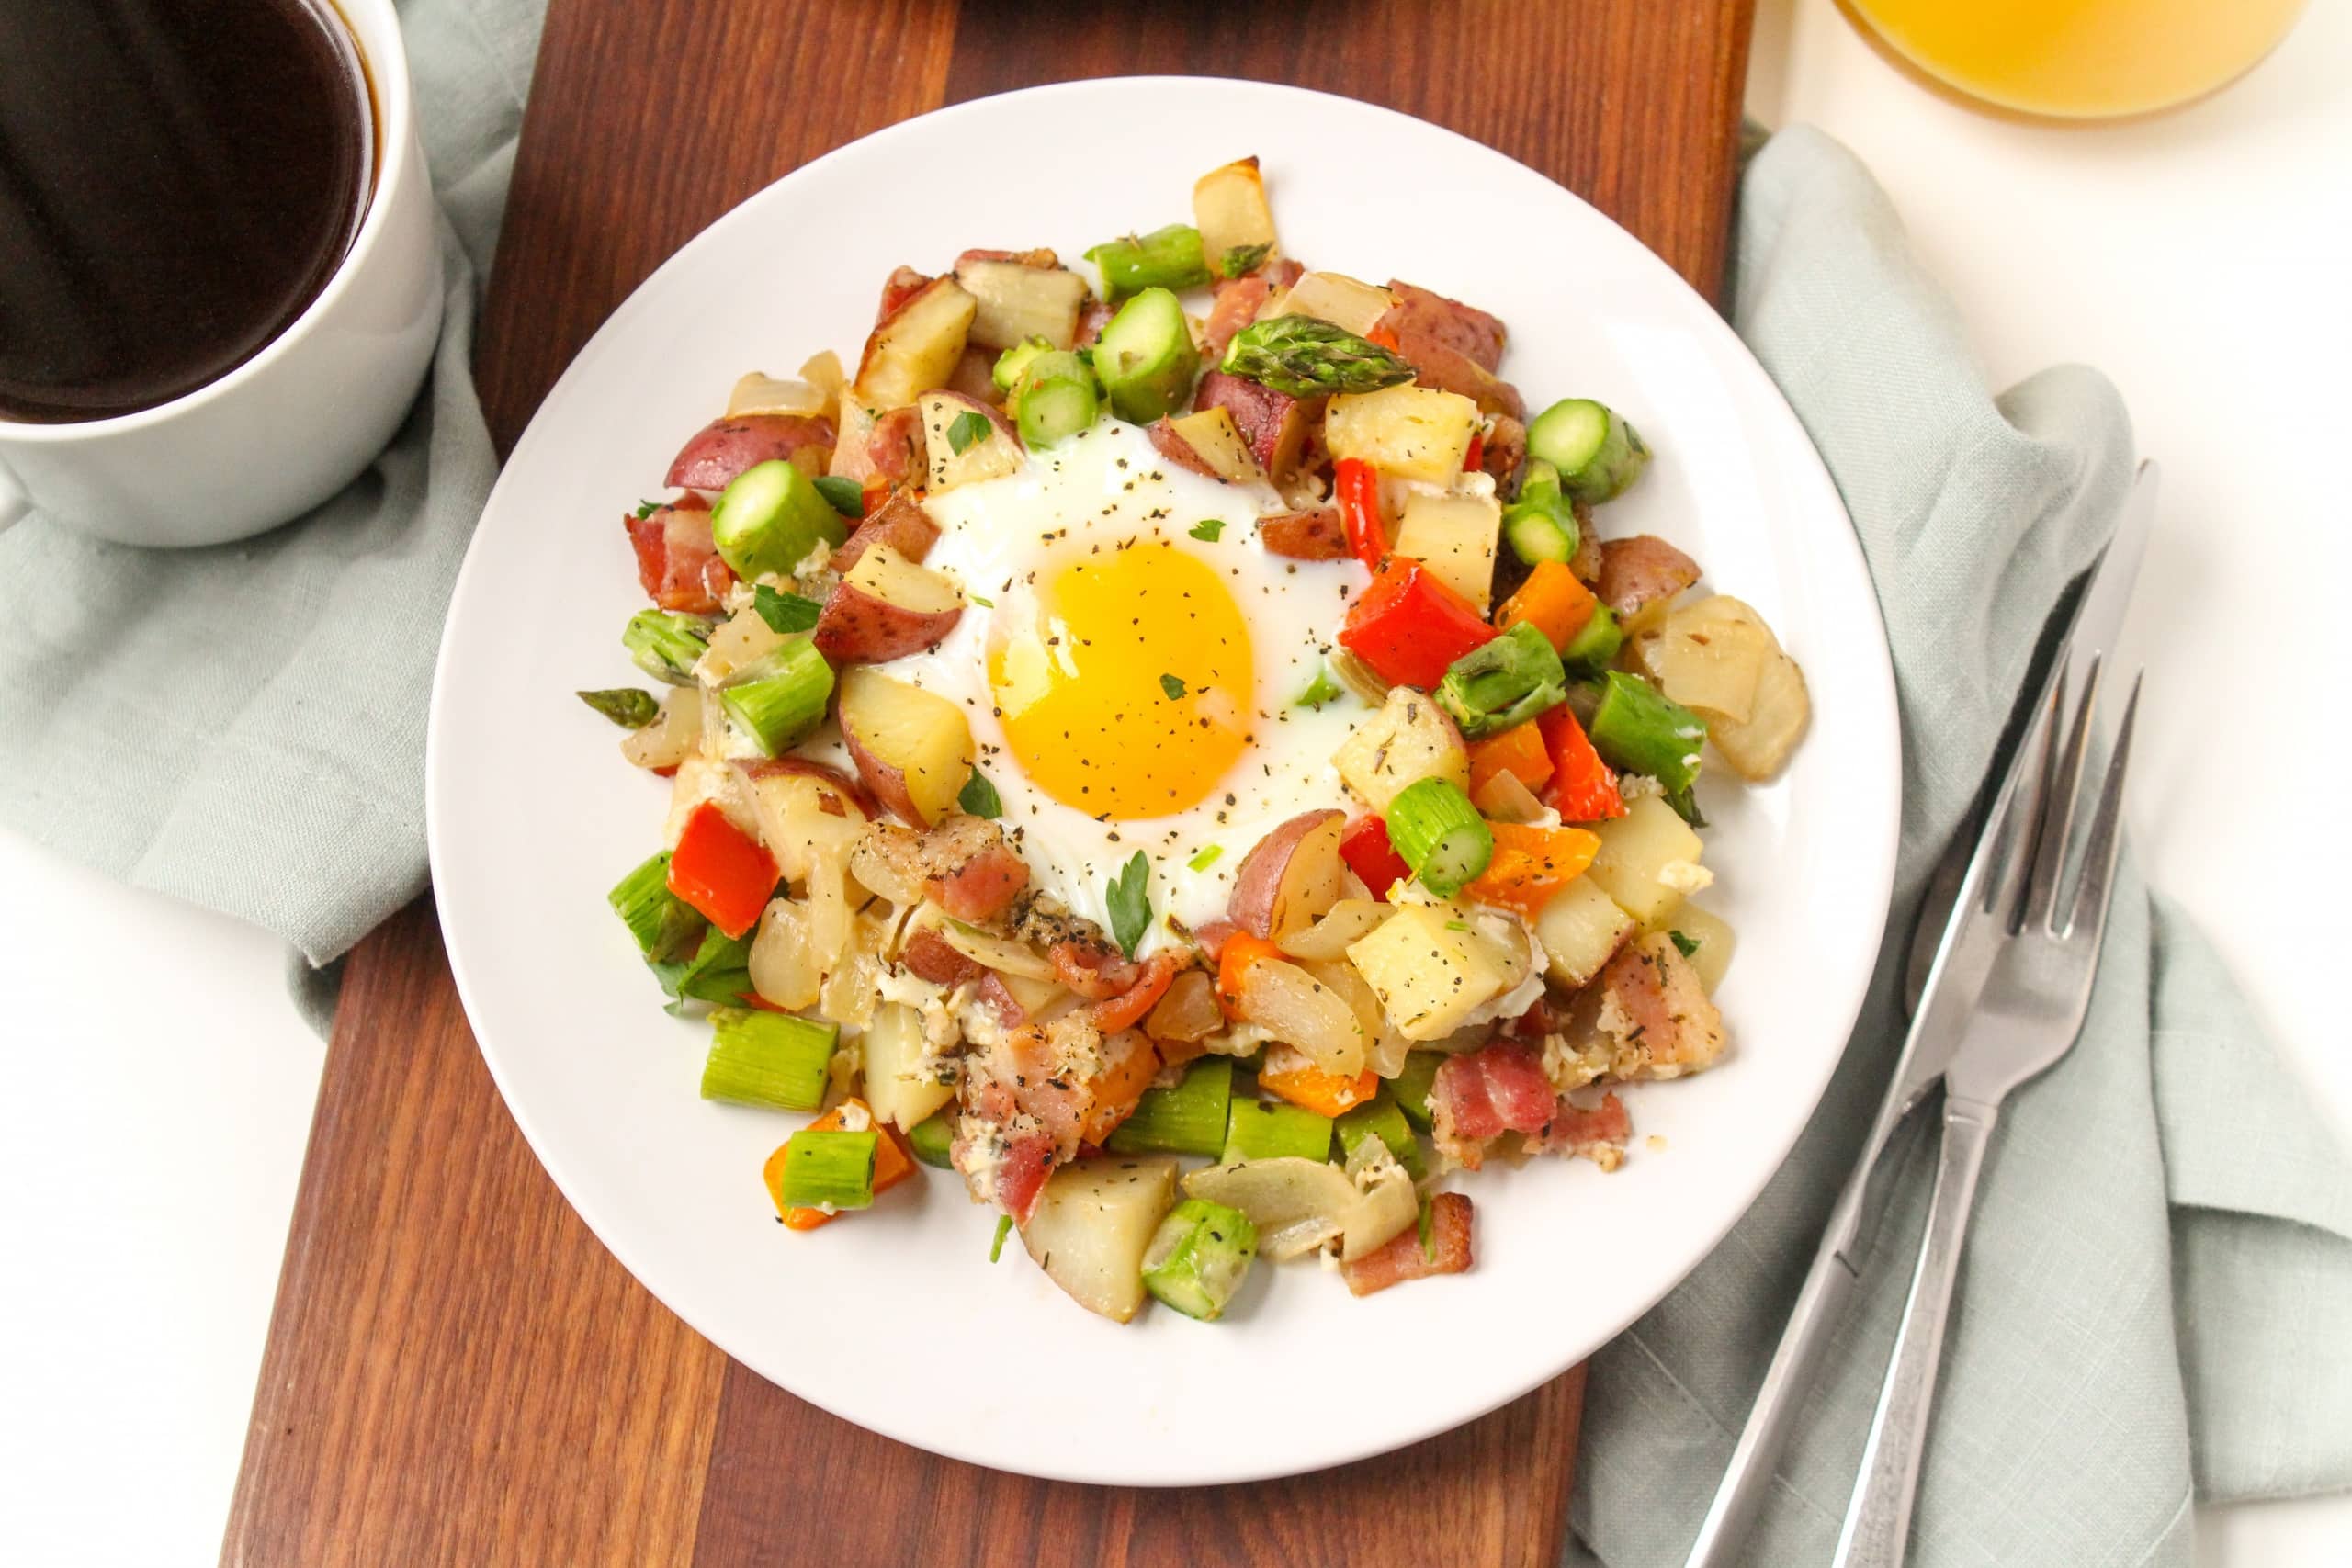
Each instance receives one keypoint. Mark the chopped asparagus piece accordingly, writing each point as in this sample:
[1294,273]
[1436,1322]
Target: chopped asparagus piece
[1438,832]
[1146,357]
[1307,358]
[1598,454]
[1382,1119]
[663,924]
[1014,362]
[1189,1119]
[1199,1257]
[1595,644]
[1263,1130]
[829,1170]
[768,1059]
[1542,523]
[783,698]
[665,644]
[1639,730]
[930,1137]
[1503,682]
[1410,1087]
[1165,258]
[1056,399]
[770,517]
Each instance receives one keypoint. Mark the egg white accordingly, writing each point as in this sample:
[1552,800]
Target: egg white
[1105,487]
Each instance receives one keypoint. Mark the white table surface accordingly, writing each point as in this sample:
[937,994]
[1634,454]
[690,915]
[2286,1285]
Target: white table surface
[155,1087]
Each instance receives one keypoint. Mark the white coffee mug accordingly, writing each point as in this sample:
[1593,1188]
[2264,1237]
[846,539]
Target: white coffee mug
[296,422]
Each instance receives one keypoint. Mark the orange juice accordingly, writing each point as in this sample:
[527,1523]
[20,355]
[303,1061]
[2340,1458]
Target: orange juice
[2078,58]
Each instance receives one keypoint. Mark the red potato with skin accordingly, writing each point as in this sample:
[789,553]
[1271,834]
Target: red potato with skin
[849,789]
[714,454]
[901,286]
[912,747]
[880,451]
[1171,445]
[887,608]
[996,453]
[899,523]
[1636,572]
[1319,534]
[914,350]
[1292,879]
[1274,425]
[1453,346]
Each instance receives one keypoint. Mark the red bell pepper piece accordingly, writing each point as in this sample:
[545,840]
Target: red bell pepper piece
[1408,625]
[1357,483]
[1364,846]
[722,870]
[1583,789]
[1475,455]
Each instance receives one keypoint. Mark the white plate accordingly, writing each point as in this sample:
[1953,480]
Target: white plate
[896,1320]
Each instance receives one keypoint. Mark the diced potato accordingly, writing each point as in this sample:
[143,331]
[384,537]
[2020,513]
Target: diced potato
[1212,434]
[1453,535]
[1409,739]
[996,451]
[1431,969]
[1229,208]
[1343,301]
[1581,930]
[1758,749]
[757,393]
[1408,432]
[1640,854]
[916,350]
[737,644]
[1712,935]
[891,1046]
[1092,1222]
[1386,1205]
[1013,302]
[1707,655]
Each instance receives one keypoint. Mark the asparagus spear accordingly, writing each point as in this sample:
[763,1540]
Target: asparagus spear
[1503,682]
[1261,1129]
[1056,399]
[1165,258]
[932,1137]
[1640,729]
[769,517]
[770,1059]
[1598,454]
[1014,361]
[1305,357]
[1410,1087]
[1381,1118]
[1189,1119]
[625,706]
[1198,1258]
[1146,357]
[831,1170]
[1432,824]
[663,924]
[783,698]
[1542,523]
[665,644]
[1595,644]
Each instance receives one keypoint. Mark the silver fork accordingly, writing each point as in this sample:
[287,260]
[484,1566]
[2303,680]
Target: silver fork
[2029,1015]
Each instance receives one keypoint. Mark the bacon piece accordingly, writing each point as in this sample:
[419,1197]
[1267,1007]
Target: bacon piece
[1272,424]
[1645,568]
[999,997]
[1305,535]
[1237,305]
[1598,1134]
[1042,259]
[1210,936]
[1485,1093]
[975,376]
[714,454]
[983,886]
[676,561]
[1402,1258]
[1505,450]
[1656,1011]
[1094,970]
[929,956]
[965,865]
[894,449]
[1127,1009]
[903,285]
[899,523]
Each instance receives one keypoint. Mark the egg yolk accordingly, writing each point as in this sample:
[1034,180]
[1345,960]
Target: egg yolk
[1131,694]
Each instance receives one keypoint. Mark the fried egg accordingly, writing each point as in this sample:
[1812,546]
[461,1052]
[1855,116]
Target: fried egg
[1131,662]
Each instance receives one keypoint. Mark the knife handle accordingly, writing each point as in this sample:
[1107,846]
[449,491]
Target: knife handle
[1878,1522]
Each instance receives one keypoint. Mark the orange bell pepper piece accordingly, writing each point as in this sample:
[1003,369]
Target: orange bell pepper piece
[1519,750]
[892,1164]
[1530,866]
[1552,600]
[1326,1094]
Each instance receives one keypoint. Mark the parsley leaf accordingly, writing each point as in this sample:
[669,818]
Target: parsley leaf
[1242,259]
[1130,903]
[1683,944]
[625,706]
[1172,686]
[784,611]
[1003,1229]
[982,600]
[1205,859]
[848,496]
[968,430]
[648,508]
[1323,690]
[979,797]
[1208,528]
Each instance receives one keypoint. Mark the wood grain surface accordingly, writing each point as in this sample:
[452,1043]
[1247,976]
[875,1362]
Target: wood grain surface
[456,1372]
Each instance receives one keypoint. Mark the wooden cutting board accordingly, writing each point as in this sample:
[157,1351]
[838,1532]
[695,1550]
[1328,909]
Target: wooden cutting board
[457,1372]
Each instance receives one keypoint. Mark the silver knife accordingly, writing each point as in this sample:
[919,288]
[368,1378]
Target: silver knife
[1955,982]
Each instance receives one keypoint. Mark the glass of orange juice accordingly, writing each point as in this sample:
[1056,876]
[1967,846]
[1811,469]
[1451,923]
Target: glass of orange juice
[2077,59]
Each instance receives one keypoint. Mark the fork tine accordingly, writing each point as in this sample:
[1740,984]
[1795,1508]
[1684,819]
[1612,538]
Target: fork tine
[2058,806]
[2092,895]
[2013,840]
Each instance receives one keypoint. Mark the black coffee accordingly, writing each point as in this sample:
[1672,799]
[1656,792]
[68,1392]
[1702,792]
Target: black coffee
[178,179]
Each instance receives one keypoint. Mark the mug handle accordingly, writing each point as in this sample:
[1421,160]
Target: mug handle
[14,501]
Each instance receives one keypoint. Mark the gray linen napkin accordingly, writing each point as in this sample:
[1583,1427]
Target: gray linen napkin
[2154,1303]
[243,727]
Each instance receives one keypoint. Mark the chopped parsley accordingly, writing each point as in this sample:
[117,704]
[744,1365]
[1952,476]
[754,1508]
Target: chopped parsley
[984,602]
[1323,690]
[1003,1229]
[968,430]
[979,797]
[1130,903]
[1172,686]
[648,508]
[1208,528]
[1205,859]
[1683,944]
[848,497]
[784,611]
